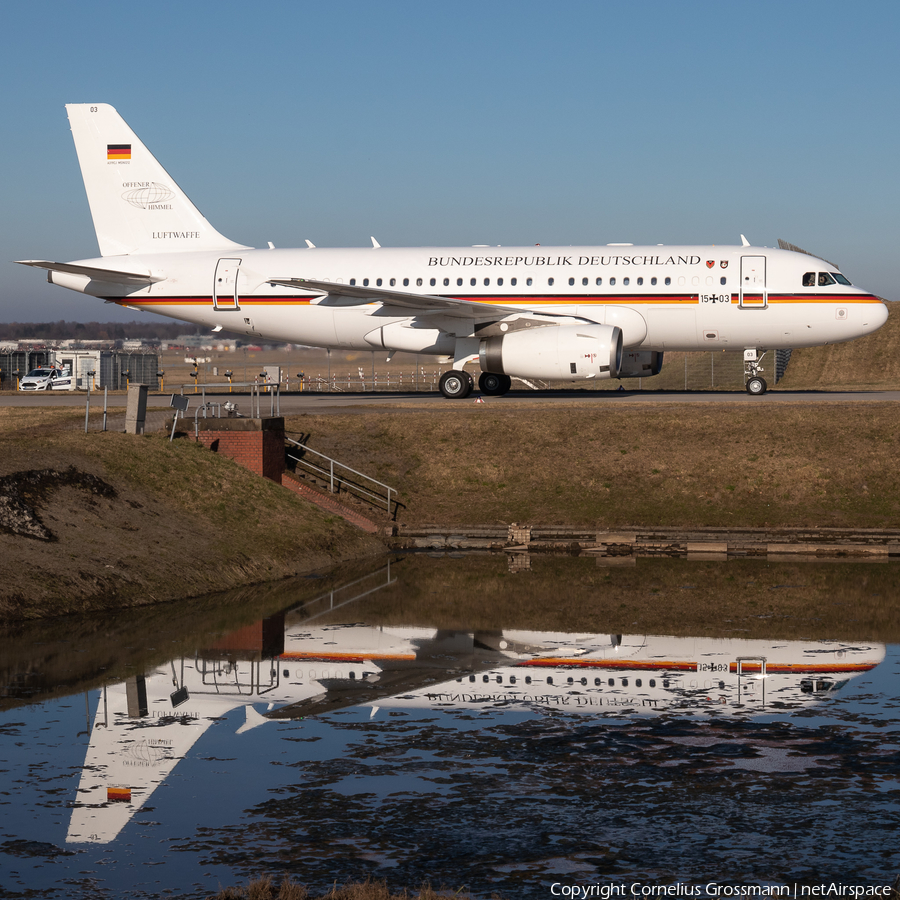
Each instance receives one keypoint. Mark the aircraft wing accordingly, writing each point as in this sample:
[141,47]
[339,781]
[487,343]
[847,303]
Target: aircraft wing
[473,309]
[342,693]
[110,276]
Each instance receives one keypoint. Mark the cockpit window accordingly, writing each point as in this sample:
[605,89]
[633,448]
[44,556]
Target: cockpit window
[825,279]
[809,279]
[841,279]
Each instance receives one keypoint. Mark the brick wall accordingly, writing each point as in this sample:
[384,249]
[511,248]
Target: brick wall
[256,444]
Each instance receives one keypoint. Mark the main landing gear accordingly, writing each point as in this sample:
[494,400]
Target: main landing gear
[494,385]
[456,385]
[756,384]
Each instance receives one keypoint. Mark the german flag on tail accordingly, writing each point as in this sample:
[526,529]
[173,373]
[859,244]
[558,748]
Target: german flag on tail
[118,151]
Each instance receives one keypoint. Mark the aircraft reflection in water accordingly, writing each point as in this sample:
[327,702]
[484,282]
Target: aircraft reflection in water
[145,725]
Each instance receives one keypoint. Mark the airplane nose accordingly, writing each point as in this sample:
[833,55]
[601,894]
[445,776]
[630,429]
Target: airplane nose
[876,315]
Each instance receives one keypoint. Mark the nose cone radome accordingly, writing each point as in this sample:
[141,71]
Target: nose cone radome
[876,314]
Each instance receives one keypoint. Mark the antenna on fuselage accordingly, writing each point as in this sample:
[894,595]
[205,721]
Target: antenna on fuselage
[375,244]
[744,242]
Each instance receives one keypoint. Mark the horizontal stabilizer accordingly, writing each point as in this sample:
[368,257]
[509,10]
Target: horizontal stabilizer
[110,276]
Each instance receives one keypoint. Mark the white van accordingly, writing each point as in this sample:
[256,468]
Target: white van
[48,378]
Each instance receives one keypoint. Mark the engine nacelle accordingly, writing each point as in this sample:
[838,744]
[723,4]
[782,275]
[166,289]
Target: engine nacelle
[565,352]
[641,364]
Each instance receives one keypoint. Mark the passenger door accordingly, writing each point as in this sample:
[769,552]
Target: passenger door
[225,284]
[753,282]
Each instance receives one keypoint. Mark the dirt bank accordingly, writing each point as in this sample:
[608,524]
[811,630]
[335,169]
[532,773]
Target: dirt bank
[104,520]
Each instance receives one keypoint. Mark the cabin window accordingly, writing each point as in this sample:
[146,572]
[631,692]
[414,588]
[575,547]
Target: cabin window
[665,682]
[550,282]
[446,282]
[528,282]
[418,282]
[487,281]
[459,282]
[393,282]
[550,680]
[570,679]
[611,682]
[433,282]
[499,282]
[473,281]
[653,280]
[378,282]
[652,682]
[668,280]
[596,682]
[499,679]
[406,282]
[626,281]
[612,281]
[471,678]
[527,679]
[513,281]
[571,282]
[637,682]
[352,281]
[695,281]
[584,681]
[365,282]
[599,282]
[722,280]
[640,281]
[624,682]
[512,679]
[485,679]
[809,279]
[825,279]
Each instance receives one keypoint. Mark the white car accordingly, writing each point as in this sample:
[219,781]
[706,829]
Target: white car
[47,378]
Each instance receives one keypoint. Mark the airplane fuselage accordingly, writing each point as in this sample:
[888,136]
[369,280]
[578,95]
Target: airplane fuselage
[662,297]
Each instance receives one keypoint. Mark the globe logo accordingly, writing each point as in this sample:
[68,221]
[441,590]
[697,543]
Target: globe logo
[145,197]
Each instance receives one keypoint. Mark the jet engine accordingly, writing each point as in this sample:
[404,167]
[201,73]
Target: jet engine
[565,352]
[641,364]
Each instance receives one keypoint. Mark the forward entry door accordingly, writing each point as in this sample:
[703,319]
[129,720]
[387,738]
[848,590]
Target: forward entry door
[225,284]
[753,282]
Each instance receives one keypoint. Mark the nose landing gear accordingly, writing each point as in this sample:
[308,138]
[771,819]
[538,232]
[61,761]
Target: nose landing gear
[755,384]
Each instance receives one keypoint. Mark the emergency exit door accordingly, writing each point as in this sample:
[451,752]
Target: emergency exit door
[225,284]
[753,282]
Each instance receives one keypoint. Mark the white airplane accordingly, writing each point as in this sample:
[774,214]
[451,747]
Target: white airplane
[567,313]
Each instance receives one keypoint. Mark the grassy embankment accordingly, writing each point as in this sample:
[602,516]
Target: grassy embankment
[613,463]
[180,521]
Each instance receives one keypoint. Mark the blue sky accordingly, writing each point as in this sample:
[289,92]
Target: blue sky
[458,123]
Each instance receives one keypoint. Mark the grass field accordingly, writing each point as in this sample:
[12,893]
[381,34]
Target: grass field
[717,465]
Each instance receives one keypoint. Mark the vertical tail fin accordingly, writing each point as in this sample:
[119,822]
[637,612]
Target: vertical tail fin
[136,206]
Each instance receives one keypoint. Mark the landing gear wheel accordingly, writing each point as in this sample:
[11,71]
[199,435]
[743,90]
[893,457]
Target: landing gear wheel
[494,385]
[757,386]
[456,385]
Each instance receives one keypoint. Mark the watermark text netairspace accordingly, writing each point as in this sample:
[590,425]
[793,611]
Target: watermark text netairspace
[634,889]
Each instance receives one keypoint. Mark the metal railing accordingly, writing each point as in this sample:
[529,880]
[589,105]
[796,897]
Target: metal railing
[326,471]
[273,388]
